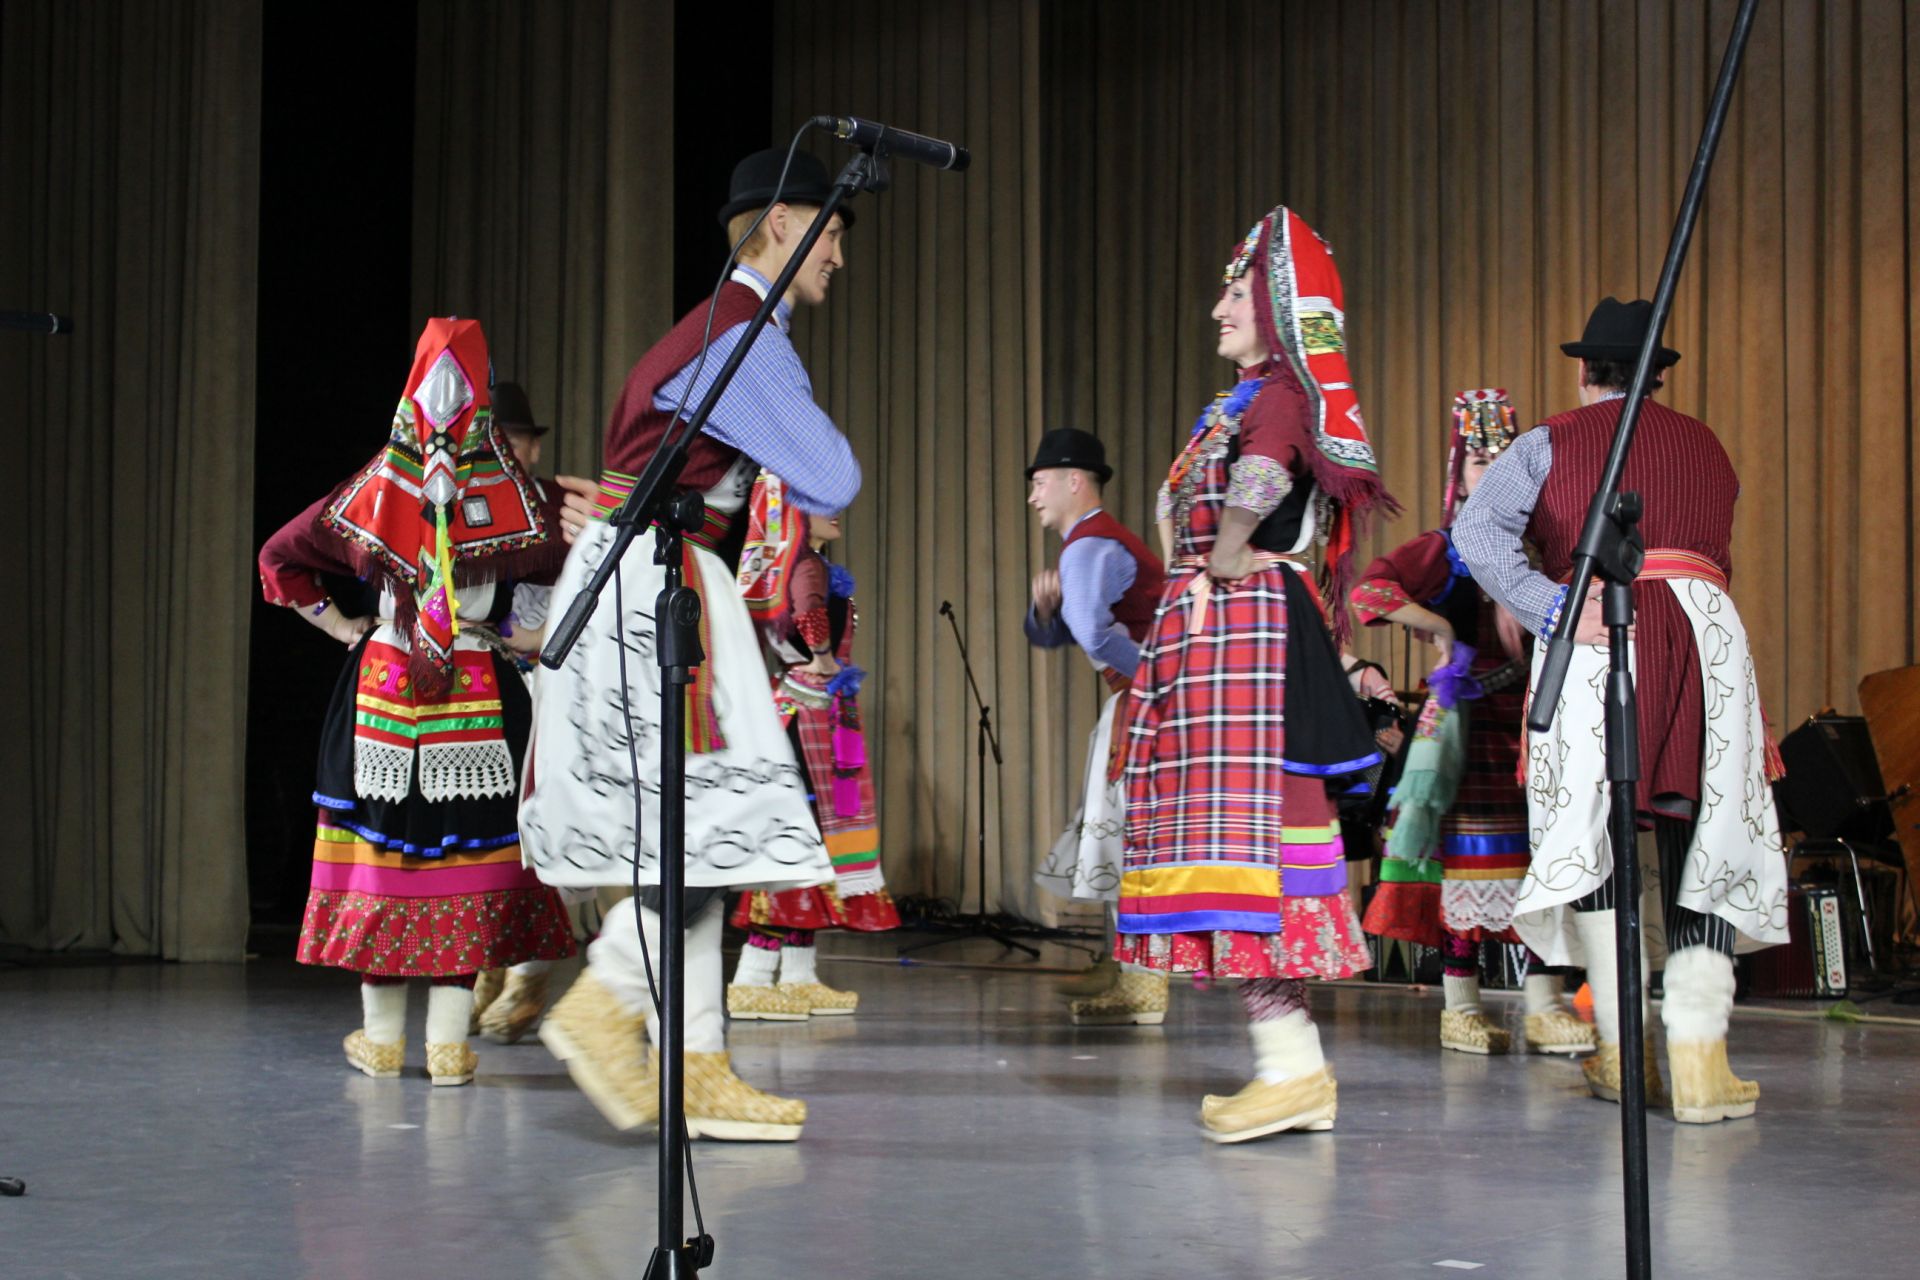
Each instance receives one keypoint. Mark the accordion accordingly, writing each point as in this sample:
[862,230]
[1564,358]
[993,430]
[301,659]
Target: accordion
[1812,964]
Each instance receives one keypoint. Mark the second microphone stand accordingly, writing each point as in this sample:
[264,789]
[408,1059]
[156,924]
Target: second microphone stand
[978,924]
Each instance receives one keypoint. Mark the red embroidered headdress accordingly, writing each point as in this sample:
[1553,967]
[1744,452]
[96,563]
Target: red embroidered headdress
[1482,420]
[1300,308]
[445,492]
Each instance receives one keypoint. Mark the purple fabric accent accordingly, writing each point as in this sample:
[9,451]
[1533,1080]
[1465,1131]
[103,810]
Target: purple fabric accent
[1317,882]
[847,681]
[1271,999]
[849,757]
[763,939]
[799,937]
[1453,683]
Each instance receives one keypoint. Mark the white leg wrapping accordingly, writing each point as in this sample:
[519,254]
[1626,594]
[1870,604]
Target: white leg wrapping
[1463,993]
[1287,1047]
[1603,971]
[532,968]
[617,963]
[616,959]
[757,965]
[1699,995]
[383,1012]
[797,964]
[1543,992]
[448,1010]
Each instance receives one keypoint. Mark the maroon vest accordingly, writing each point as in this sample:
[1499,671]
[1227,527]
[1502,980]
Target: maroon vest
[1685,480]
[637,427]
[1134,609]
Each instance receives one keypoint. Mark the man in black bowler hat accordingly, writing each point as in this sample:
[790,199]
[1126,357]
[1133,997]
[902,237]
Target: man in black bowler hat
[1102,597]
[1720,872]
[747,817]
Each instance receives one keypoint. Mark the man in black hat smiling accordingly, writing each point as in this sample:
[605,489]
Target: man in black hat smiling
[1721,870]
[1102,597]
[748,822]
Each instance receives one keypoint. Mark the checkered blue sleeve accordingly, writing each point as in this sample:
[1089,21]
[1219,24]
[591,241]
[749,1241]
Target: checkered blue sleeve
[768,413]
[1489,529]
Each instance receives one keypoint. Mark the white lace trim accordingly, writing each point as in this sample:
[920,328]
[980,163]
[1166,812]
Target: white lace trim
[1466,905]
[866,880]
[381,771]
[469,770]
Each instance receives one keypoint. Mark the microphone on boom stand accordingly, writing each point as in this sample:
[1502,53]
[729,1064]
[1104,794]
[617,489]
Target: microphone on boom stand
[884,140]
[975,924]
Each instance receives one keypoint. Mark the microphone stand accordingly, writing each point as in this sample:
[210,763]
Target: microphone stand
[677,617]
[979,924]
[1611,547]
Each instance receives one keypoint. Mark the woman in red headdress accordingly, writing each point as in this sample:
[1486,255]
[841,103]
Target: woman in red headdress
[416,864]
[1244,728]
[803,605]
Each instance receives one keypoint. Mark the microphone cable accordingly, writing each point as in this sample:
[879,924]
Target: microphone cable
[675,432]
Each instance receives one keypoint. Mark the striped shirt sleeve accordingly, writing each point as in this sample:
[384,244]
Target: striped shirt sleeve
[768,413]
[1489,530]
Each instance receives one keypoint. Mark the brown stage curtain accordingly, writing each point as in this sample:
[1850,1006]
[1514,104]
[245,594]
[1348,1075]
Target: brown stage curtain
[130,145]
[1485,173]
[928,356]
[543,195]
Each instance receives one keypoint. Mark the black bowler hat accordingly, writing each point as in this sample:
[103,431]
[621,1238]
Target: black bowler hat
[756,178]
[1615,331]
[511,408]
[1071,447]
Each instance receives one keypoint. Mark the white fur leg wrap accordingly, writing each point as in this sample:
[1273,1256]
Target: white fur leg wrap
[1699,995]
[1286,1047]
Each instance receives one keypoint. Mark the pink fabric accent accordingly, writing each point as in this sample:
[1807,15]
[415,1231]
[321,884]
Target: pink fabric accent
[1460,957]
[763,939]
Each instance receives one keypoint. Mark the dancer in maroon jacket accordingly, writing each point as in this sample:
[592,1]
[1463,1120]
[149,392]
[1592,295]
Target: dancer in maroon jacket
[1101,597]
[1703,748]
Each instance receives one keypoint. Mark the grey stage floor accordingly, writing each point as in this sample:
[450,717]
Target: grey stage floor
[199,1121]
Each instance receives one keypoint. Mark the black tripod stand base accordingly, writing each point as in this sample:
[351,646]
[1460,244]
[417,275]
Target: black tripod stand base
[971,928]
[687,1260]
[12,1187]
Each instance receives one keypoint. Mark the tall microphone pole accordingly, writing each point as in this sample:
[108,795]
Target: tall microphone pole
[677,618]
[1610,546]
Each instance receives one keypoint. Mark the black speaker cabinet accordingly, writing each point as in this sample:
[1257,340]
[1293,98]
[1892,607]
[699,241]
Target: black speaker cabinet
[1833,789]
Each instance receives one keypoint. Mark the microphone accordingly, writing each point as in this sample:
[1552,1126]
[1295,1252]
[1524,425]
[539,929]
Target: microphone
[886,140]
[36,322]
[946,608]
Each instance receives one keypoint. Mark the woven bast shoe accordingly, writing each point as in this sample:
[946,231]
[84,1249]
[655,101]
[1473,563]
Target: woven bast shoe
[517,1009]
[722,1106]
[1557,1031]
[1603,1075]
[1705,1090]
[1095,979]
[748,1003]
[1137,999]
[600,1041]
[1308,1102]
[821,1000]
[486,989]
[1468,1031]
[381,1061]
[452,1064]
